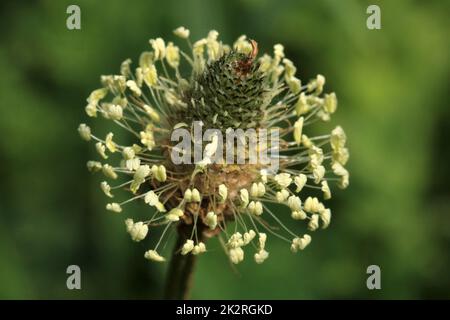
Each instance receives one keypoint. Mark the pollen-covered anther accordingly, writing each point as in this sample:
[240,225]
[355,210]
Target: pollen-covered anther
[153,255]
[114,207]
[313,222]
[159,172]
[101,150]
[174,214]
[282,195]
[109,172]
[283,179]
[93,166]
[236,255]
[187,247]
[181,32]
[199,248]
[300,182]
[139,177]
[298,215]
[312,205]
[255,208]
[85,132]
[244,196]
[249,236]
[261,256]
[300,243]
[211,220]
[106,189]
[294,203]
[257,190]
[326,190]
[298,127]
[223,192]
[196,197]
[138,231]
[152,199]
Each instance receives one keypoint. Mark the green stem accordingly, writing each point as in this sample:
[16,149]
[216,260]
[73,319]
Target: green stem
[180,274]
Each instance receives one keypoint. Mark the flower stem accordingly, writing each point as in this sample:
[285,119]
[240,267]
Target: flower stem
[180,274]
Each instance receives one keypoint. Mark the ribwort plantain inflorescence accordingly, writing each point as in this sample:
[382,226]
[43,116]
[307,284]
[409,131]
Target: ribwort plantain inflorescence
[228,89]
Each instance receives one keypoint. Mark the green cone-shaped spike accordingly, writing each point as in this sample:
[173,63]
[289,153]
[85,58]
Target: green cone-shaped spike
[230,93]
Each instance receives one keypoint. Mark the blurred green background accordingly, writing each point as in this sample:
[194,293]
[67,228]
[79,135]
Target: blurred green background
[393,90]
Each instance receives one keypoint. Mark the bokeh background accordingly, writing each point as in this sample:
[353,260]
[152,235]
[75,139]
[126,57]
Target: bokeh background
[393,90]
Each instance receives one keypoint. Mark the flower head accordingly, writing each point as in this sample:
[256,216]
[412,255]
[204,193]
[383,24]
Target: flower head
[228,89]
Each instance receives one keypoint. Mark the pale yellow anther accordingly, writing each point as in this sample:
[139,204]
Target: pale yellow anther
[298,127]
[114,111]
[188,195]
[93,166]
[282,195]
[110,143]
[326,190]
[106,188]
[153,200]
[138,231]
[294,203]
[312,205]
[294,84]
[302,106]
[298,215]
[128,153]
[300,182]
[125,68]
[318,173]
[153,114]
[199,248]
[257,190]
[325,216]
[261,256]
[262,240]
[187,247]
[114,207]
[211,220]
[196,197]
[283,179]
[249,236]
[134,87]
[85,132]
[244,196]
[330,102]
[255,207]
[173,55]
[236,255]
[300,243]
[109,172]
[174,215]
[139,177]
[223,192]
[307,142]
[101,150]
[313,223]
[159,172]
[181,32]
[159,48]
[153,255]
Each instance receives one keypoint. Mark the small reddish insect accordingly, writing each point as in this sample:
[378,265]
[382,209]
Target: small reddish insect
[244,65]
[254,52]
